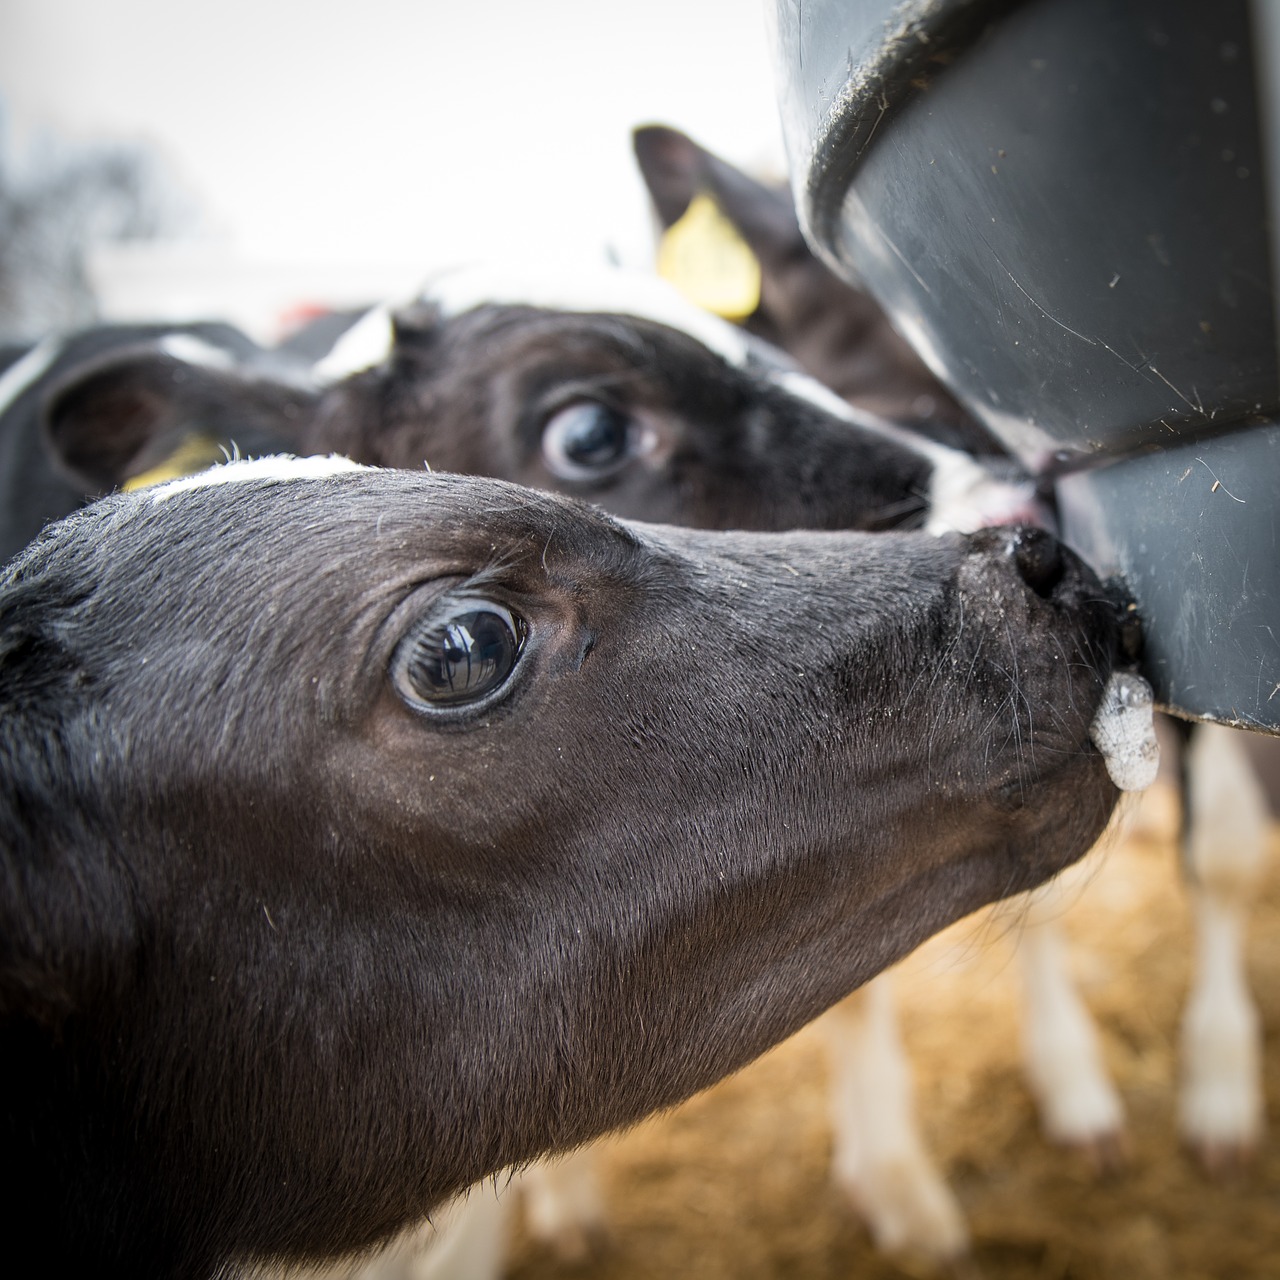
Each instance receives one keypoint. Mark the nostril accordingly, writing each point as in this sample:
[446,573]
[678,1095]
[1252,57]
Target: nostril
[1038,556]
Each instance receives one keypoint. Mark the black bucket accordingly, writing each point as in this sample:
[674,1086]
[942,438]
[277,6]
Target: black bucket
[1064,204]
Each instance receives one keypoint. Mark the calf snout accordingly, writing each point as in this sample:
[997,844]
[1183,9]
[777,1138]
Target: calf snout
[1038,557]
[1038,561]
[1043,635]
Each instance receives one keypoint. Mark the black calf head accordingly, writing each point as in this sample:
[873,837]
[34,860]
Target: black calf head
[611,389]
[368,832]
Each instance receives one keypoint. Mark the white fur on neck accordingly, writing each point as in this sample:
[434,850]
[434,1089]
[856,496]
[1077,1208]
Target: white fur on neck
[587,290]
[277,467]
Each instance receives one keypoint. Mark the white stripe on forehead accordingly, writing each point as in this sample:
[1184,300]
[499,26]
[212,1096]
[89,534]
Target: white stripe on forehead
[278,467]
[586,290]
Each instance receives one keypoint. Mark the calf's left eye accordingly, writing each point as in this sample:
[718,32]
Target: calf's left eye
[587,441]
[459,658]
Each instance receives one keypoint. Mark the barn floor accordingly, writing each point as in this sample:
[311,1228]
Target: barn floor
[732,1186]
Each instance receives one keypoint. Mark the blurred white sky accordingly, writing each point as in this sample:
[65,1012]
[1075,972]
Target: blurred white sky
[386,136]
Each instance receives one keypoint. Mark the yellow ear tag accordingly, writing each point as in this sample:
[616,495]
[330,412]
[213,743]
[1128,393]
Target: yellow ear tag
[194,454]
[709,262]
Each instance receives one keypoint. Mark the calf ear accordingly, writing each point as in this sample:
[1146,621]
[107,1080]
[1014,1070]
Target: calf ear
[837,332]
[415,325]
[125,415]
[676,169]
[379,337]
[683,178]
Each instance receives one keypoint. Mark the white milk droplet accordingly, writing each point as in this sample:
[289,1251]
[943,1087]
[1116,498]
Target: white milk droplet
[1124,731]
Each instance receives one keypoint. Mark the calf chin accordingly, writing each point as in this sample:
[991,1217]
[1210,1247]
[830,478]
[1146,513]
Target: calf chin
[339,952]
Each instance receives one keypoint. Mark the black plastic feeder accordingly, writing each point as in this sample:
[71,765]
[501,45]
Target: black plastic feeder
[1065,205]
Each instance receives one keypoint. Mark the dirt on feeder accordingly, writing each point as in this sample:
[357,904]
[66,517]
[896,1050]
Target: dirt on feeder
[734,1184]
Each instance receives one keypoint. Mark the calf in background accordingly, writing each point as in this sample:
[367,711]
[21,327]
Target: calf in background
[839,334]
[608,386]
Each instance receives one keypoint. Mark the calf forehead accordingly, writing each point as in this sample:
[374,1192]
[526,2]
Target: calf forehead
[507,360]
[286,525]
[280,469]
[212,607]
[575,291]
[586,291]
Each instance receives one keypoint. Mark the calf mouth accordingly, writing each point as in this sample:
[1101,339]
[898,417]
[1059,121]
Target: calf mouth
[1050,641]
[1006,778]
[1005,786]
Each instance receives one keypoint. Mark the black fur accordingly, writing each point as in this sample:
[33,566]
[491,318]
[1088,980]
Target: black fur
[732,449]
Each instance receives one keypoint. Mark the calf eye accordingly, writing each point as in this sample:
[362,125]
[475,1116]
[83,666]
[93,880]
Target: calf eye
[587,440]
[458,658]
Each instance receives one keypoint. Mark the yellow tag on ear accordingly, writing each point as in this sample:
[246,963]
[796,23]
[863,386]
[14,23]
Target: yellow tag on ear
[194,454]
[709,262]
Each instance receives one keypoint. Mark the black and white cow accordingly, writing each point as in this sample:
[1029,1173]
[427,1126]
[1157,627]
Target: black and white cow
[607,386]
[364,832]
[603,384]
